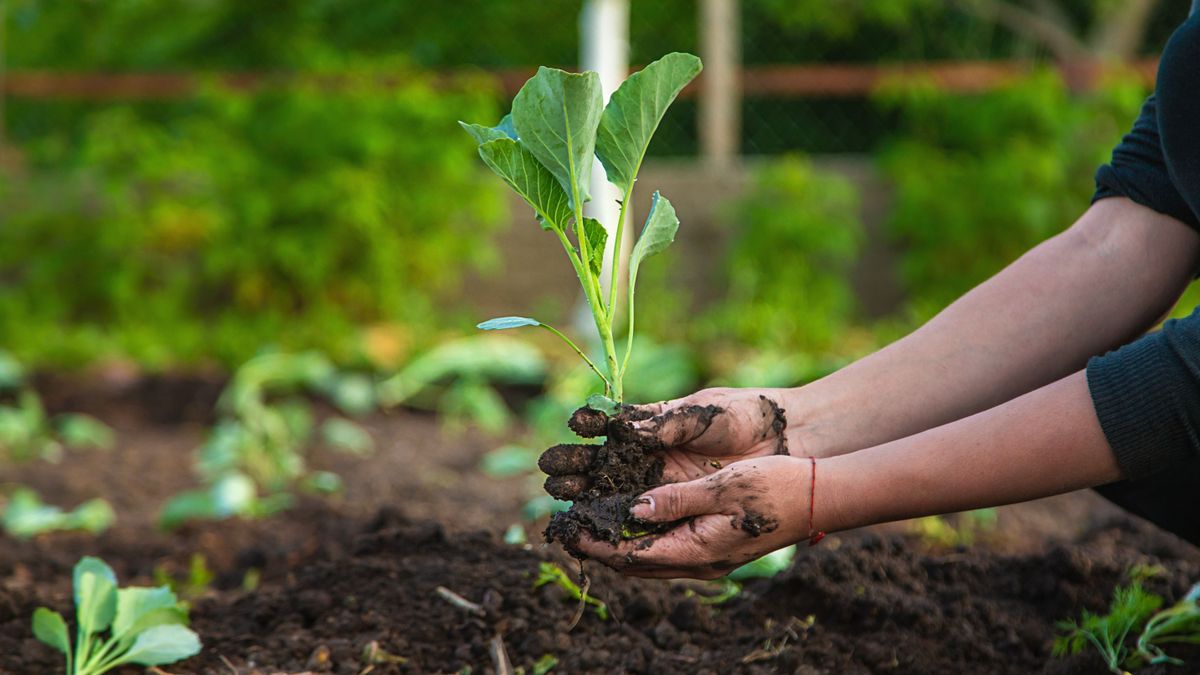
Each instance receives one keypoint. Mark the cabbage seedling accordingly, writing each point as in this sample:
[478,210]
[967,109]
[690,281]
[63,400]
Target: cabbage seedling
[145,626]
[544,151]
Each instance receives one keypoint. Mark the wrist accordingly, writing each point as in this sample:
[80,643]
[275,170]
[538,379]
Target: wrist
[805,437]
[838,501]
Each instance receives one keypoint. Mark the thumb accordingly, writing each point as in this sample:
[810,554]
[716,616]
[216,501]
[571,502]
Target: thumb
[675,423]
[675,501]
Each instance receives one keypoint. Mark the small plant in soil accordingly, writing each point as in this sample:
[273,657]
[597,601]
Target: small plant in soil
[1133,612]
[27,432]
[256,455]
[544,150]
[144,626]
[26,515]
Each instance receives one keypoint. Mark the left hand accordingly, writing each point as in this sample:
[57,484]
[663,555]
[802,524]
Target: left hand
[737,514]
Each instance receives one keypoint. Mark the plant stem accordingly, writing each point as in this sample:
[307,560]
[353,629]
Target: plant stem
[616,261]
[591,294]
[578,351]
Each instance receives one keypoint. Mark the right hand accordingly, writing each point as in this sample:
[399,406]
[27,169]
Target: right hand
[697,435]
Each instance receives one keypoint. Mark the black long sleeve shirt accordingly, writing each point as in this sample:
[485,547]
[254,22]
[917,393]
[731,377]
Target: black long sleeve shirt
[1147,393]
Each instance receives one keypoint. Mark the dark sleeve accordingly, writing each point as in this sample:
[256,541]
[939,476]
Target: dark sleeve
[1147,394]
[1177,90]
[1138,170]
[1147,397]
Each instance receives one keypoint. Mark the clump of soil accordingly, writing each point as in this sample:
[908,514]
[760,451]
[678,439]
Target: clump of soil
[603,480]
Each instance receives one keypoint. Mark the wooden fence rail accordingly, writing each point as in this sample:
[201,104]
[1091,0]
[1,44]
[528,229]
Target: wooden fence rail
[777,81]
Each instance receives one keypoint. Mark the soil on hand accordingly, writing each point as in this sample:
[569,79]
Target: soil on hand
[352,586]
[602,480]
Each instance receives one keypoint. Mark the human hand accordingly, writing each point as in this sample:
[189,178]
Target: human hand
[734,515]
[696,435]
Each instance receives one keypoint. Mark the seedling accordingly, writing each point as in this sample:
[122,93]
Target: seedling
[549,573]
[27,432]
[544,151]
[190,586]
[26,515]
[956,531]
[255,456]
[1134,611]
[145,626]
[729,586]
[1179,623]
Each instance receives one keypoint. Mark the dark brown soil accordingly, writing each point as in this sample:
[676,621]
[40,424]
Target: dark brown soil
[346,584]
[600,480]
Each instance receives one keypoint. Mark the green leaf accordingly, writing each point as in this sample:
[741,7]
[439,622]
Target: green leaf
[97,602]
[353,393]
[657,235]
[634,113]
[49,627]
[525,175]
[494,358]
[159,616]
[347,436]
[506,125]
[556,115]
[95,566]
[506,322]
[160,645]
[185,506]
[507,461]
[233,495]
[84,431]
[323,482]
[12,374]
[94,515]
[474,402]
[767,566]
[597,237]
[603,404]
[134,603]
[483,134]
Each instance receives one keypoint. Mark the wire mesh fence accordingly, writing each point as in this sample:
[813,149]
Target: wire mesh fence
[814,111]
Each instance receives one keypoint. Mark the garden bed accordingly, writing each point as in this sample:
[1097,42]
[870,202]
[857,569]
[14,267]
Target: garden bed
[346,585]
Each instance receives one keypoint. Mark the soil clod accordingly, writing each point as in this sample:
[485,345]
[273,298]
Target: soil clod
[602,480]
[588,423]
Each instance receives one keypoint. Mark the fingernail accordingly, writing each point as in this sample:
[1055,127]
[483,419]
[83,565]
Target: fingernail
[643,507]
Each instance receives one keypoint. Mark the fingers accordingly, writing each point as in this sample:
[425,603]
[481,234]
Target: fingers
[567,458]
[566,488]
[676,501]
[566,463]
[682,552]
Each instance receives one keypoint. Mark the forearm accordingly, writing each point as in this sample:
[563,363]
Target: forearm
[1043,443]
[1106,280]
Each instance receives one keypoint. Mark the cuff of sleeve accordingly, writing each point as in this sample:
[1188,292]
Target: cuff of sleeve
[1133,391]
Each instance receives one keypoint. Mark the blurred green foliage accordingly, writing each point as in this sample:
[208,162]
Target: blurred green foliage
[981,179]
[256,457]
[293,217]
[796,234]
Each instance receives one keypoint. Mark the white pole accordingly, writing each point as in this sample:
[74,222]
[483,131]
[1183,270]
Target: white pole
[604,48]
[720,99]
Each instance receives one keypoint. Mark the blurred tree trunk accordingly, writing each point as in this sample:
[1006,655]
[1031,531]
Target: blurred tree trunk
[1117,33]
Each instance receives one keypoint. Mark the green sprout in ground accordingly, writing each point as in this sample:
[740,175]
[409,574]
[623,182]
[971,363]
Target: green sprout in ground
[1133,612]
[544,151]
[27,432]
[26,515]
[145,626]
[256,457]
[191,585]
[549,573]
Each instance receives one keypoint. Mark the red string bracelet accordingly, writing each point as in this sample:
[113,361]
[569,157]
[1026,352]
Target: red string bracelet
[814,535]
